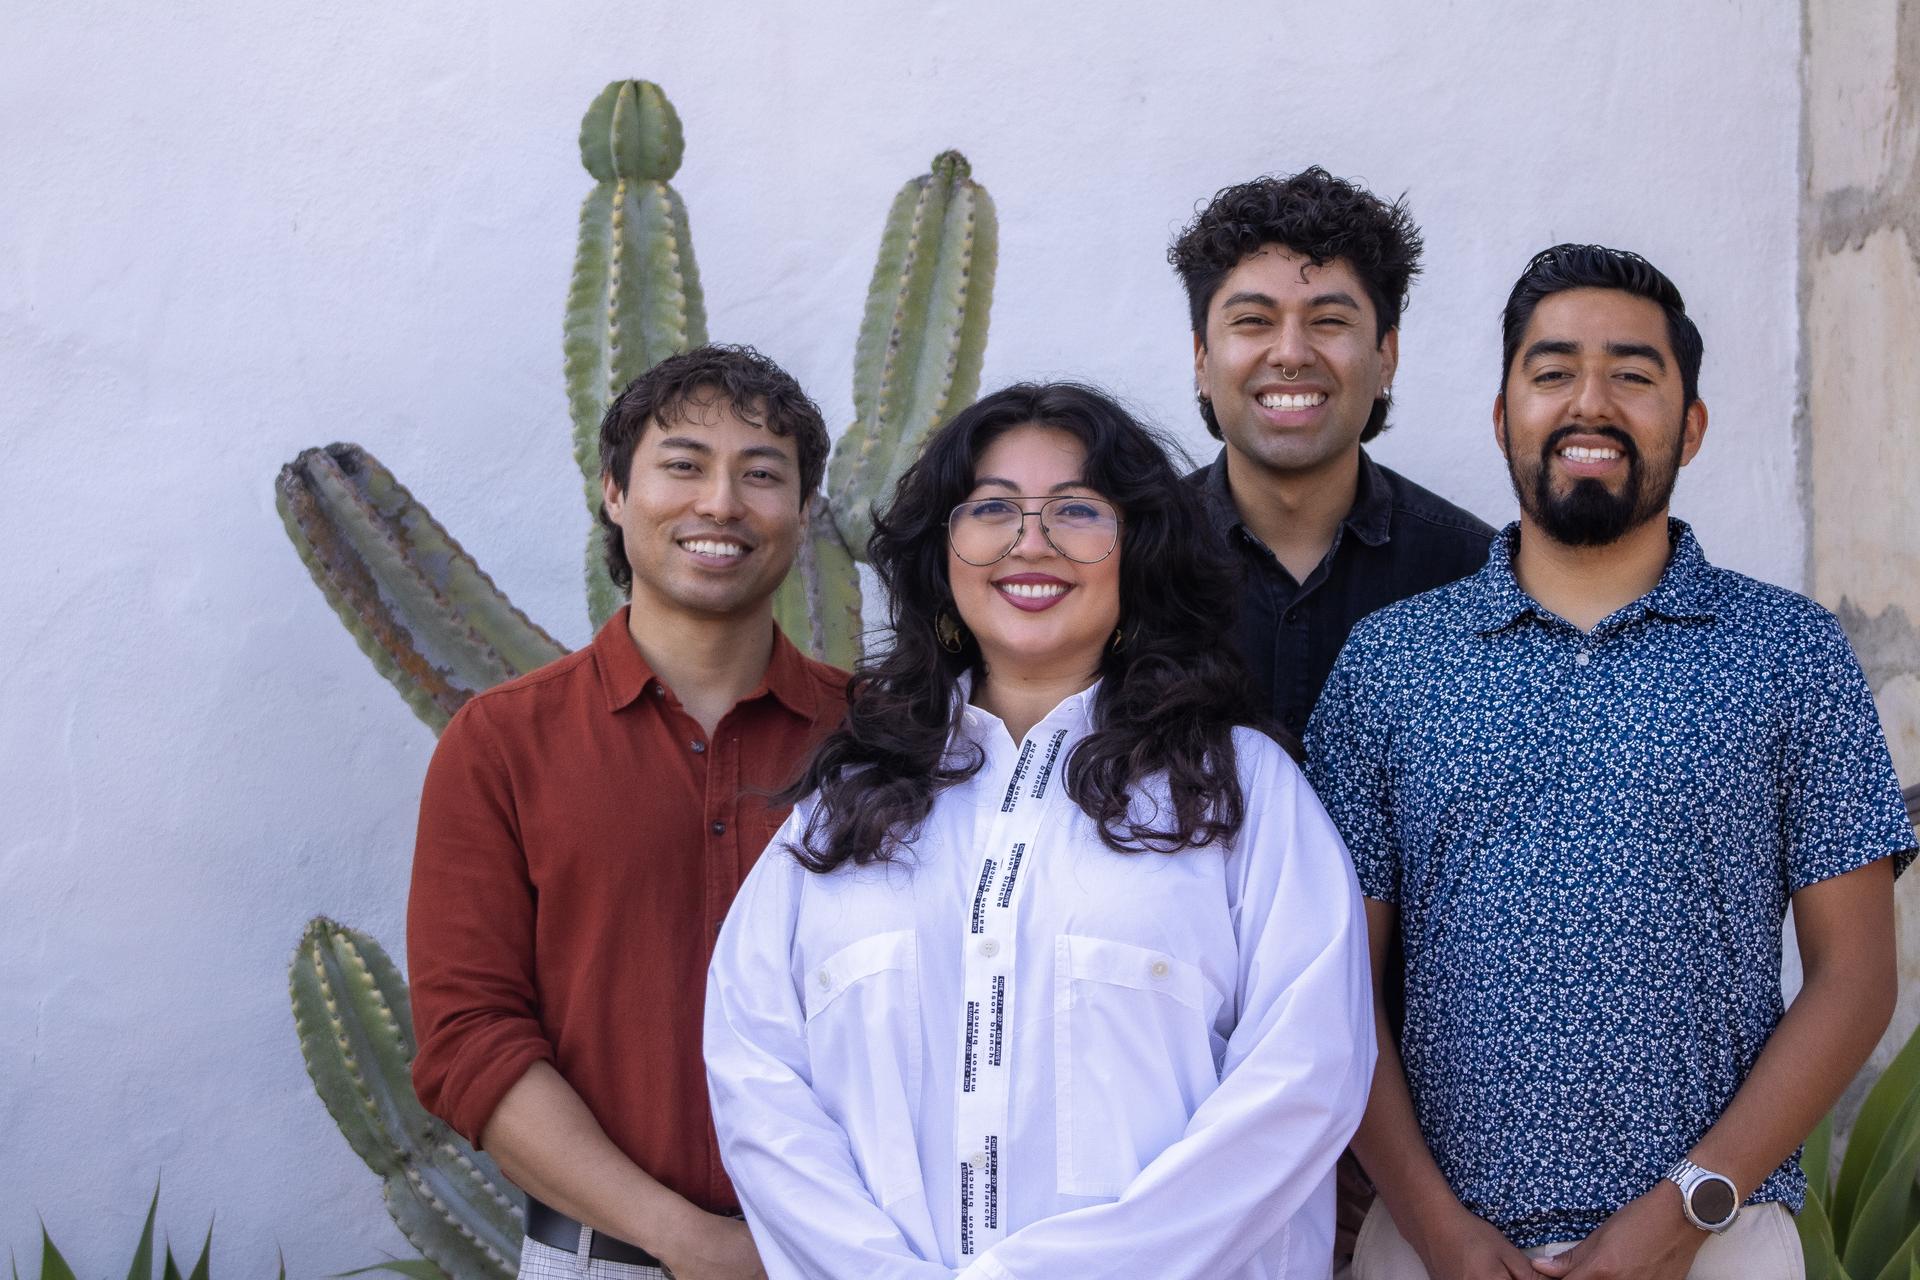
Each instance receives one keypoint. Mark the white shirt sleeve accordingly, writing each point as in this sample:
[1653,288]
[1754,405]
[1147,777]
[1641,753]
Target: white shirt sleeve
[808,1207]
[1294,1080]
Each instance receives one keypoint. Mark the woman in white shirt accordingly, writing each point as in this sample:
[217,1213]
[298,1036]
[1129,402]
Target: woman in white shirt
[1060,970]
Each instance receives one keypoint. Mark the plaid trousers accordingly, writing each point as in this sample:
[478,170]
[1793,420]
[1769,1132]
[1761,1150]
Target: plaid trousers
[544,1262]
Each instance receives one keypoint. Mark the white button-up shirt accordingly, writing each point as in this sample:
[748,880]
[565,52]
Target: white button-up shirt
[1014,1054]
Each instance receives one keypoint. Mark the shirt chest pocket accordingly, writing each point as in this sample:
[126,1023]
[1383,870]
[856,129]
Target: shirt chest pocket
[1134,1056]
[863,1043]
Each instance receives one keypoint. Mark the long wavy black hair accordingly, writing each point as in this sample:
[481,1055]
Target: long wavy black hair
[1171,692]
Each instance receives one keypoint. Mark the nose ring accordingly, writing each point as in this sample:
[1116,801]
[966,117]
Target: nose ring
[1289,377]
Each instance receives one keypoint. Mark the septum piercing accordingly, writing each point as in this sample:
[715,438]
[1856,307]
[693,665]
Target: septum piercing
[1289,377]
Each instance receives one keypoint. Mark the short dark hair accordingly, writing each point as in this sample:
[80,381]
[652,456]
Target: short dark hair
[1313,214]
[1594,266]
[759,390]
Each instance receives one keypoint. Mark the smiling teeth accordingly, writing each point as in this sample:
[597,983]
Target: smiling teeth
[1293,400]
[1032,590]
[1577,453]
[703,547]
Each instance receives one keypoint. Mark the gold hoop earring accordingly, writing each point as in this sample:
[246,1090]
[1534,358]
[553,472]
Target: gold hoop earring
[947,630]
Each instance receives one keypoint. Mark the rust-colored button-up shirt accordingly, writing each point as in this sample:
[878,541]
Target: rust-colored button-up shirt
[580,841]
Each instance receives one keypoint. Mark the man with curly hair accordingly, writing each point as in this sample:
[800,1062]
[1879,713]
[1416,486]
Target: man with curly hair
[1295,287]
[584,828]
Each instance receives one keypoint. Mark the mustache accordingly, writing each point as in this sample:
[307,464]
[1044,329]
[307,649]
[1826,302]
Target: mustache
[1628,449]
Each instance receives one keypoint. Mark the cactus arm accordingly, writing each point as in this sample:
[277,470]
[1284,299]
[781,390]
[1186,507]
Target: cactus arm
[635,297]
[818,605]
[431,620]
[923,336]
[353,1017]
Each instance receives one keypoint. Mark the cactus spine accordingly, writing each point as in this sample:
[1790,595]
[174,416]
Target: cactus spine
[355,1023]
[923,338]
[636,295]
[432,622]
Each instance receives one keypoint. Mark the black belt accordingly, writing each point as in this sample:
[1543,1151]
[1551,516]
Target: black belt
[556,1230]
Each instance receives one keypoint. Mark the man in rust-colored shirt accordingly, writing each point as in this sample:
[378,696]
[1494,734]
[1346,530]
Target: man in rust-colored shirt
[583,830]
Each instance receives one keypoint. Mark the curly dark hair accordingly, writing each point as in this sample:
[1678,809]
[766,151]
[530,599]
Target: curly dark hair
[759,390]
[1313,214]
[1170,695]
[1594,266]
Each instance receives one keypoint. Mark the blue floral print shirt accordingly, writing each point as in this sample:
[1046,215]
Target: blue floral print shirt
[1591,839]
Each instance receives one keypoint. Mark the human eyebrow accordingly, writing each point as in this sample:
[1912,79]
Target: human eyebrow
[1550,347]
[766,451]
[1638,351]
[688,443]
[1337,299]
[997,482]
[1064,485]
[1247,297]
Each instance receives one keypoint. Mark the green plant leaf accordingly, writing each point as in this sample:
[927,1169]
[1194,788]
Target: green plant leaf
[52,1265]
[1883,1224]
[169,1269]
[1890,1102]
[142,1266]
[1816,1242]
[203,1268]
[1816,1159]
[1901,1264]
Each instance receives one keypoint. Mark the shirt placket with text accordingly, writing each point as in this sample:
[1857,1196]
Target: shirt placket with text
[988,968]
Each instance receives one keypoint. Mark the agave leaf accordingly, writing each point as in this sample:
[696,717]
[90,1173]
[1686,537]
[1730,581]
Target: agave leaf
[1891,1109]
[1888,1209]
[169,1269]
[203,1268]
[431,620]
[142,1265]
[1816,1242]
[1816,1160]
[52,1265]
[1905,1258]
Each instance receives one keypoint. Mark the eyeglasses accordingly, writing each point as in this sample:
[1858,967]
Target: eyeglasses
[983,531]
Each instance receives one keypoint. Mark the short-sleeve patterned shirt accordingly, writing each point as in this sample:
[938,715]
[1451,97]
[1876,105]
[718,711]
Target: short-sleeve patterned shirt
[1591,839]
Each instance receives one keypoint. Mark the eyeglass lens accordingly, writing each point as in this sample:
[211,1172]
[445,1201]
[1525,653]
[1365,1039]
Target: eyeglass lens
[1081,529]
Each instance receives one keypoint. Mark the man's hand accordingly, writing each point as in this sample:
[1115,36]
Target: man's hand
[706,1246]
[1647,1239]
[1464,1247]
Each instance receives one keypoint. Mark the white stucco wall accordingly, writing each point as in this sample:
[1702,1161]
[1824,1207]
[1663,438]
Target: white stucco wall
[230,231]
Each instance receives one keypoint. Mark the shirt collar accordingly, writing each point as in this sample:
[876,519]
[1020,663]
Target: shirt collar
[1370,519]
[1683,594]
[1073,712]
[625,673]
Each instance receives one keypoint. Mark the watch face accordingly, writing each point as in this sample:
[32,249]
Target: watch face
[1712,1200]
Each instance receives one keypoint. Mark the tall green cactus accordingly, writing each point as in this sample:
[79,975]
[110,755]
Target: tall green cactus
[355,1023]
[432,622]
[436,626]
[636,295]
[923,339]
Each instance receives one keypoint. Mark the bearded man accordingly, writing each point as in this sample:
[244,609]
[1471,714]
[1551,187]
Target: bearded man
[1582,787]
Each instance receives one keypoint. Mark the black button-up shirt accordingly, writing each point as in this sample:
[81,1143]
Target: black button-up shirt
[1398,540]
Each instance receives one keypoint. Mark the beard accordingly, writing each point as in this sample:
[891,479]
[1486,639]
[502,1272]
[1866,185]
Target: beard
[1588,514]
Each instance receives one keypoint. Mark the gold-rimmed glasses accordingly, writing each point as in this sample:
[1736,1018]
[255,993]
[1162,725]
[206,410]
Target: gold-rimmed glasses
[1084,530]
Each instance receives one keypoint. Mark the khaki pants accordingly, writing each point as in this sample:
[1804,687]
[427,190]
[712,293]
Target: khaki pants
[1761,1245]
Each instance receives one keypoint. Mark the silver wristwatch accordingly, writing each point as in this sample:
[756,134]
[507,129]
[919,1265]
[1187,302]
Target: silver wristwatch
[1708,1199]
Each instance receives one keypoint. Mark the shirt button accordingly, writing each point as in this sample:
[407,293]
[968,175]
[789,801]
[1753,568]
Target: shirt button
[698,746]
[989,947]
[978,1159]
[825,980]
[1582,658]
[1292,615]
[719,828]
[1160,969]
